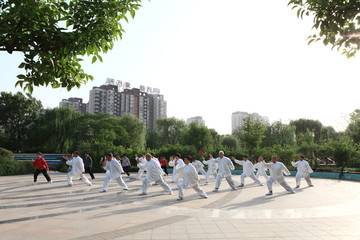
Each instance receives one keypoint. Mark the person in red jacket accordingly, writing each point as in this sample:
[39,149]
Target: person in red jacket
[41,167]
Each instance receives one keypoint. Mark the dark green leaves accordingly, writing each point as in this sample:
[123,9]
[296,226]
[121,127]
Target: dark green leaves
[53,34]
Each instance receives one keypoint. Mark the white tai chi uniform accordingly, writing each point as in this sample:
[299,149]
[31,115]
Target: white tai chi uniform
[225,167]
[176,164]
[141,170]
[154,173]
[190,178]
[113,171]
[248,171]
[77,168]
[212,168]
[276,175]
[261,170]
[303,171]
[199,166]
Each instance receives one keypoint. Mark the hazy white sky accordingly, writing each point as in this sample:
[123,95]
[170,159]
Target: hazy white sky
[210,58]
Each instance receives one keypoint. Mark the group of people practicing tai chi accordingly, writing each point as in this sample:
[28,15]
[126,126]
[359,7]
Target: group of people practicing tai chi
[185,172]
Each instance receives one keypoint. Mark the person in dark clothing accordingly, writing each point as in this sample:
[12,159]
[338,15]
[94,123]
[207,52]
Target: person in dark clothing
[88,165]
[164,164]
[125,163]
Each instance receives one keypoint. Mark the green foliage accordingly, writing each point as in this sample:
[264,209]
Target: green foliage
[284,153]
[18,113]
[198,136]
[169,130]
[279,134]
[229,142]
[251,134]
[10,166]
[308,125]
[337,22]
[353,129]
[54,34]
[4,153]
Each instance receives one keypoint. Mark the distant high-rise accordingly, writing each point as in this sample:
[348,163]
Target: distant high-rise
[237,119]
[145,106]
[105,99]
[199,120]
[75,103]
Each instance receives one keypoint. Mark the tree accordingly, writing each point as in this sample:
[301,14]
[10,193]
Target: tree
[308,125]
[279,134]
[338,22]
[353,129]
[18,114]
[251,134]
[230,142]
[198,136]
[55,131]
[169,130]
[135,130]
[53,34]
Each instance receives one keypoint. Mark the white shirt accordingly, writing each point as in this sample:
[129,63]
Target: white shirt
[248,167]
[198,165]
[77,165]
[153,170]
[114,168]
[302,166]
[142,160]
[261,168]
[225,166]
[189,175]
[276,171]
[212,165]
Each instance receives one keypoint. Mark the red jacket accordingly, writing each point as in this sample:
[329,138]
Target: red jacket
[40,163]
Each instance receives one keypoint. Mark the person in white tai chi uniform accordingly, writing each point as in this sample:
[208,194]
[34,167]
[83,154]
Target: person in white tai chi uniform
[142,160]
[77,168]
[212,168]
[113,171]
[276,175]
[190,178]
[176,163]
[248,170]
[154,173]
[225,167]
[261,170]
[303,171]
[199,166]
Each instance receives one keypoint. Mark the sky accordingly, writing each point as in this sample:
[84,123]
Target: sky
[211,58]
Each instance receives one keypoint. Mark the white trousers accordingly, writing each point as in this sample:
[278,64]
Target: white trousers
[219,177]
[140,173]
[197,188]
[208,176]
[301,175]
[270,181]
[258,174]
[108,179]
[70,176]
[243,176]
[161,182]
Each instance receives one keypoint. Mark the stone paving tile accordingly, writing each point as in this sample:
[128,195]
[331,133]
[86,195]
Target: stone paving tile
[81,212]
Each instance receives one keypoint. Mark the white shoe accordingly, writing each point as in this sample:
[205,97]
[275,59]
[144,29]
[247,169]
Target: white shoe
[50,181]
[180,198]
[102,190]
[34,183]
[204,196]
[269,193]
[215,190]
[292,192]
[69,185]
[89,184]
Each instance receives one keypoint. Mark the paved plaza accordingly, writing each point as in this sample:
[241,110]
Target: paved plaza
[330,210]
